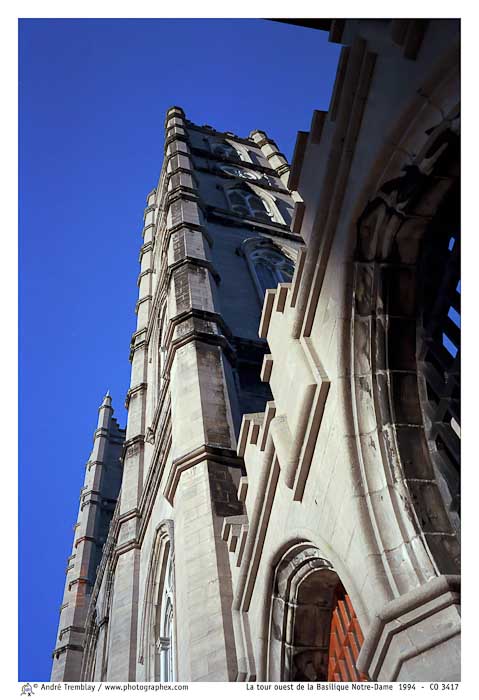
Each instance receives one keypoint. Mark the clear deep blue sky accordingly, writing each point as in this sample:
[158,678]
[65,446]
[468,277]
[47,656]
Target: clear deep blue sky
[93,97]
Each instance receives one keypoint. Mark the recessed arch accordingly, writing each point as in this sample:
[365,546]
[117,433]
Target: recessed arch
[389,342]
[307,639]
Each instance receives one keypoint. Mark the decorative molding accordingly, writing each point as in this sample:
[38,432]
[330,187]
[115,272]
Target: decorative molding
[80,579]
[137,389]
[142,300]
[85,538]
[399,617]
[71,628]
[66,647]
[196,262]
[204,453]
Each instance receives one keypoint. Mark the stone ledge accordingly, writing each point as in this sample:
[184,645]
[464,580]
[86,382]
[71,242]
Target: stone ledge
[379,659]
[190,260]
[138,388]
[71,628]
[67,647]
[85,538]
[204,453]
[142,300]
[76,581]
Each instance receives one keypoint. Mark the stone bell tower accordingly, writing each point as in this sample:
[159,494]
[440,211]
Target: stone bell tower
[216,235]
[214,231]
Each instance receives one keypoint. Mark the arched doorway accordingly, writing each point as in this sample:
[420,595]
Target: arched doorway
[314,634]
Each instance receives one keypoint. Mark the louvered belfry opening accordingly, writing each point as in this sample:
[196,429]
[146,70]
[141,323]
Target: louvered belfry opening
[439,347]
[346,639]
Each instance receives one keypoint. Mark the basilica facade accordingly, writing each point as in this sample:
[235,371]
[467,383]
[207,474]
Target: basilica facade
[284,503]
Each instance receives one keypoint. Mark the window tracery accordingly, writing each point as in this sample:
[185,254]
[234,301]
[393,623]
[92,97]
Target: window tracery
[234,171]
[268,264]
[165,640]
[271,268]
[157,649]
[245,202]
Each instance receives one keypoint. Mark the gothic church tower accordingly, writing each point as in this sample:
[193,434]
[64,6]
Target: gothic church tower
[217,235]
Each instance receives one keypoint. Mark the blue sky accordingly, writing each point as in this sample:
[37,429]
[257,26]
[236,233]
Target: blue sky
[93,96]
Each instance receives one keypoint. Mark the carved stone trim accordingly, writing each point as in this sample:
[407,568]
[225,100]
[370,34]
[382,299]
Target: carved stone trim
[414,621]
[203,453]
[189,260]
[67,647]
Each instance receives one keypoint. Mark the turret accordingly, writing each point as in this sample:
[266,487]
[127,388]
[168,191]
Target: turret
[98,497]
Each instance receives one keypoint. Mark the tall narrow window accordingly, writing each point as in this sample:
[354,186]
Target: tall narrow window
[165,664]
[157,634]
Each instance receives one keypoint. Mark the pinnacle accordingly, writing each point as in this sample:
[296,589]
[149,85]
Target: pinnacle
[106,399]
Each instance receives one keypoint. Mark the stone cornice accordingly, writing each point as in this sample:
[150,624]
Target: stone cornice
[66,647]
[85,538]
[142,300]
[190,260]
[133,390]
[170,156]
[219,455]
[143,273]
[201,337]
[126,547]
[76,581]
[128,515]
[201,315]
[101,432]
[173,135]
[145,248]
[168,232]
[150,207]
[145,228]
[181,193]
[222,134]
[71,628]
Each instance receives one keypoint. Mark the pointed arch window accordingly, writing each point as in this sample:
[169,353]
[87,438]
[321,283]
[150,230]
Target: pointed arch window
[268,264]
[165,640]
[245,202]
[157,648]
[271,268]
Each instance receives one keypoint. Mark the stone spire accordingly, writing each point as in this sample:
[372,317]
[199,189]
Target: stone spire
[97,501]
